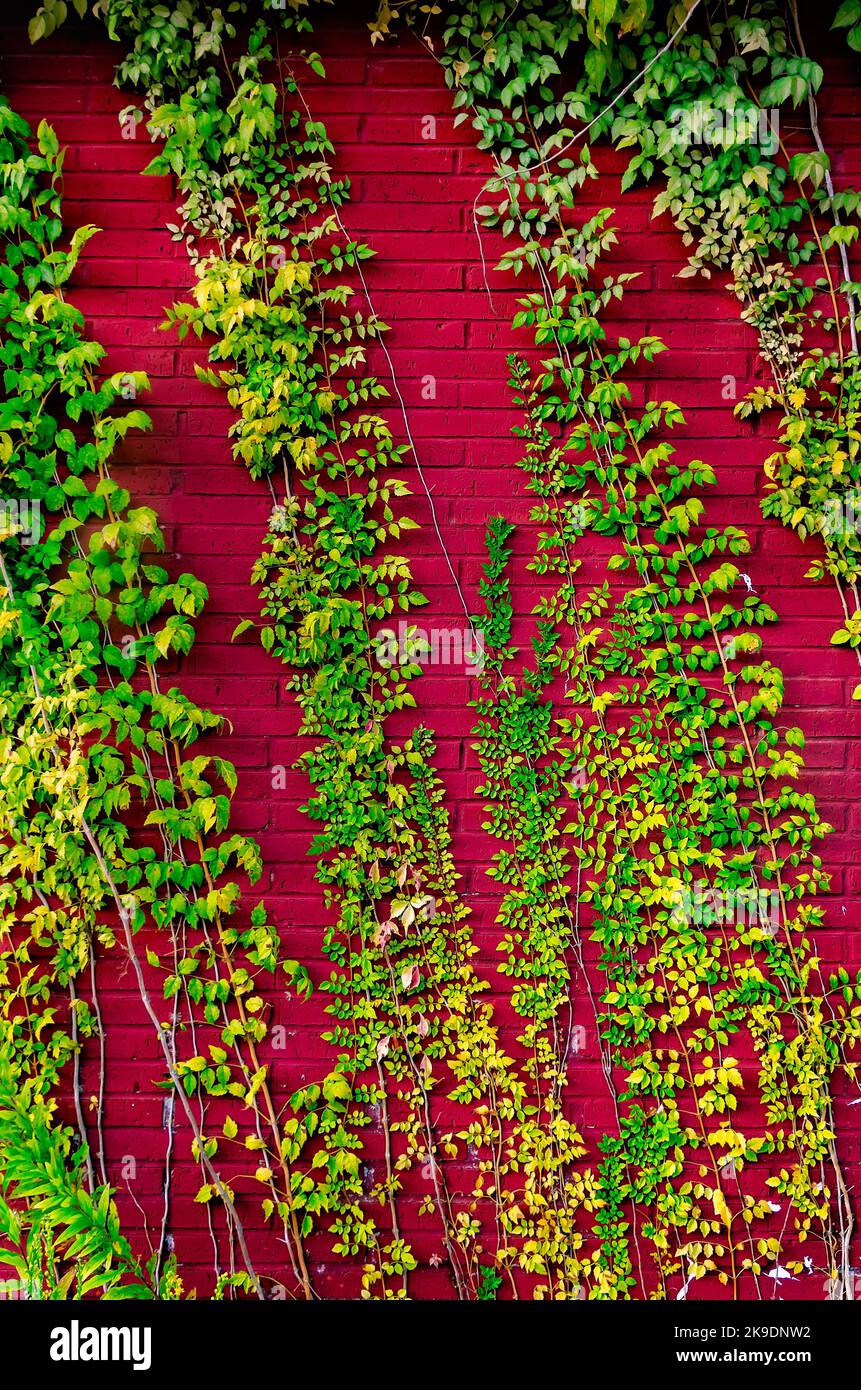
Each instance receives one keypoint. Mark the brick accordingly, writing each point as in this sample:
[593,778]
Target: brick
[412,201]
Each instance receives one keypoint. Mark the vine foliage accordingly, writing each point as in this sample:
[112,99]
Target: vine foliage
[652,855]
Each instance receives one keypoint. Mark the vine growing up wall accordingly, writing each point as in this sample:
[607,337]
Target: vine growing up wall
[703,97]
[638,778]
[411,1031]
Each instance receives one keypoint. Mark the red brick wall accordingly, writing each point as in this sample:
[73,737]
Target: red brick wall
[412,200]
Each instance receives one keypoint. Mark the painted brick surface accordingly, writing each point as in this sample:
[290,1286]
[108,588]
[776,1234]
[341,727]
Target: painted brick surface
[412,200]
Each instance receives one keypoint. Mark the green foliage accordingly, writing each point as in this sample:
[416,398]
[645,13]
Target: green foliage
[668,790]
[708,118]
[410,1031]
[849,17]
[698,99]
[89,738]
[667,797]
[61,1240]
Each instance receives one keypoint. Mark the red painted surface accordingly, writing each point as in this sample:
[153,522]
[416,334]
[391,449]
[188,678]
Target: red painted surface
[412,200]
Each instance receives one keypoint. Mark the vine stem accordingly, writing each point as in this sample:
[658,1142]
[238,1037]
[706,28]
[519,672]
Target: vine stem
[76,1083]
[76,1066]
[100,1102]
[813,109]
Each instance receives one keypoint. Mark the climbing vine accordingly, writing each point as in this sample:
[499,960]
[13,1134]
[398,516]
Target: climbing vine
[698,92]
[651,848]
[685,780]
[404,992]
[774,219]
[90,738]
